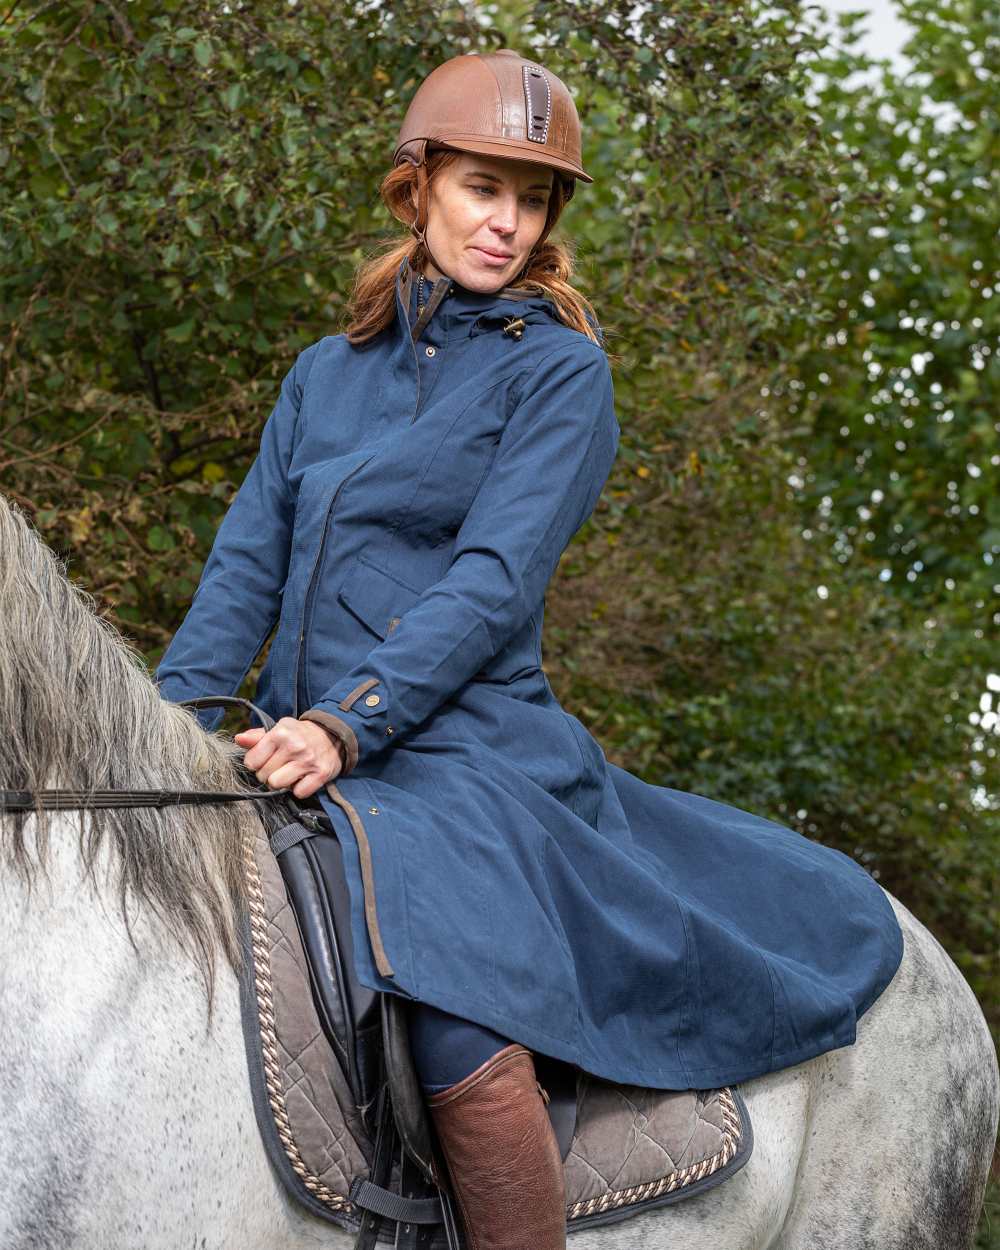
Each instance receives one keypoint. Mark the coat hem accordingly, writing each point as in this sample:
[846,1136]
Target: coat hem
[538,1040]
[684,1076]
[577,1052]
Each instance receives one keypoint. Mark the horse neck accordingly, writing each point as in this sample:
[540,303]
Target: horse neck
[108,1054]
[69,960]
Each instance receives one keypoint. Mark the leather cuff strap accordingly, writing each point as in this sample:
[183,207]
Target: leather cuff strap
[339,729]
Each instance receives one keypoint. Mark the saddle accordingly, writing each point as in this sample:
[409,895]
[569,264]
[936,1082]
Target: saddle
[337,1097]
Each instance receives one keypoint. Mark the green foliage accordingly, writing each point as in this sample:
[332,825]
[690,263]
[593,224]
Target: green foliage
[187,190]
[901,452]
[896,459]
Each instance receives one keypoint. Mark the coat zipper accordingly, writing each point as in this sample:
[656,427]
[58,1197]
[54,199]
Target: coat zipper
[312,579]
[382,963]
[413,343]
[416,362]
[416,365]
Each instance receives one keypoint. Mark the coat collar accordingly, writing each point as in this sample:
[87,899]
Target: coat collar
[458,312]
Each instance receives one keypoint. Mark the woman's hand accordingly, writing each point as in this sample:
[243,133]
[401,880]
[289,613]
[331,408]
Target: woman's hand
[296,753]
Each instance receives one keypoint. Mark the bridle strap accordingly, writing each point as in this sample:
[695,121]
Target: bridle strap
[80,800]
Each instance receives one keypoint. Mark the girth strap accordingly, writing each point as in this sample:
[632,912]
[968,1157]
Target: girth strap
[380,1167]
[393,1206]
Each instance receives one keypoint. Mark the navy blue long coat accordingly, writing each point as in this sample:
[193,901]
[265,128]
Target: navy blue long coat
[408,507]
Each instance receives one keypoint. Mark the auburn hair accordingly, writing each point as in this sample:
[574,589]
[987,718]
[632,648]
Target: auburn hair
[372,302]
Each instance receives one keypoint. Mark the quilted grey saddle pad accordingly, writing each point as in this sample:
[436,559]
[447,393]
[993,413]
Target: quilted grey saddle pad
[633,1147]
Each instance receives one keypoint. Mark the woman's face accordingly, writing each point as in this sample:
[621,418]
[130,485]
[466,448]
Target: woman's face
[484,215]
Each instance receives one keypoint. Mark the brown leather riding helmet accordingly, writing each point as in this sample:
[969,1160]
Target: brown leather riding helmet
[499,104]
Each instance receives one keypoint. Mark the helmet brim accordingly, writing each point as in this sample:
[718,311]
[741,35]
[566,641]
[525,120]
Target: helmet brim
[509,149]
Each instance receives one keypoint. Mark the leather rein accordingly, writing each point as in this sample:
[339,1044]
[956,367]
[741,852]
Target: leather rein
[81,800]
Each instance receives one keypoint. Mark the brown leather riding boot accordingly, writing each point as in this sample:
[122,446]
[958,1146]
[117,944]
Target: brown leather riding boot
[502,1155]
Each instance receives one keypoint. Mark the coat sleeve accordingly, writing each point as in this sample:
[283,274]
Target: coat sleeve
[550,467]
[238,597]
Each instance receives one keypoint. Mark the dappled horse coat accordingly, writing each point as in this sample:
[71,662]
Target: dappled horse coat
[409,504]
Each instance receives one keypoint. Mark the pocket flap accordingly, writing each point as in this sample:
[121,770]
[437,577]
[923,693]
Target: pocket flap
[378,599]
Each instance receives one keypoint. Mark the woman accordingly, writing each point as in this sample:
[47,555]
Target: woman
[417,483]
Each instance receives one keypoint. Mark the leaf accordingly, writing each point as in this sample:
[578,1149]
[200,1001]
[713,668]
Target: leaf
[203,52]
[182,332]
[159,539]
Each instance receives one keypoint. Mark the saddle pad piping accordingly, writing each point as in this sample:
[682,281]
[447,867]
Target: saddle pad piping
[680,1176]
[269,1037]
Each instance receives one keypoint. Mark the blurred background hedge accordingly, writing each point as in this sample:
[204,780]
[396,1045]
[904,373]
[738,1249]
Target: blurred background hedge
[788,597]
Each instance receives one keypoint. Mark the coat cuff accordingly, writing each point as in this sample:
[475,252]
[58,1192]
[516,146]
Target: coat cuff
[359,717]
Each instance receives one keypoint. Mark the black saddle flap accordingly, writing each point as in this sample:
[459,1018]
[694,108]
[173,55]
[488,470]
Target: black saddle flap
[408,1106]
[349,1012]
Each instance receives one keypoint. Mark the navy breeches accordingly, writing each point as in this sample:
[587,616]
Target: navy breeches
[446,1048]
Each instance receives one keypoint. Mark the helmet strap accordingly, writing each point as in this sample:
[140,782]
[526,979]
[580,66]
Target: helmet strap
[419,227]
[550,218]
[420,221]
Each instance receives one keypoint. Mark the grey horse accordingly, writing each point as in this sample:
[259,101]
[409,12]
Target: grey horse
[126,1116]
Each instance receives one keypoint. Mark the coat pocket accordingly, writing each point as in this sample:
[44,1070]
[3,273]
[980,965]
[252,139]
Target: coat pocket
[377,598]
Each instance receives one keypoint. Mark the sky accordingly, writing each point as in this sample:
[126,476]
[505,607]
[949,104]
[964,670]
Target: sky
[885,32]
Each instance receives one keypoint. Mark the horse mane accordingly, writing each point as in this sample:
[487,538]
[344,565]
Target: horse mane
[79,710]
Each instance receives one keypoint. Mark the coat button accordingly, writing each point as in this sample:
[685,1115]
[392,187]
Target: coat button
[430,351]
[372,700]
[389,731]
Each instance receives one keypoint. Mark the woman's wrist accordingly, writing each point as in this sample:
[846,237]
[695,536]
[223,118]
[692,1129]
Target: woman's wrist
[336,739]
